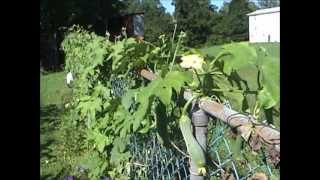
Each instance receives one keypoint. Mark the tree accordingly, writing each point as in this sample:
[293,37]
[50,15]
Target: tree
[217,26]
[55,14]
[194,17]
[235,22]
[64,13]
[268,3]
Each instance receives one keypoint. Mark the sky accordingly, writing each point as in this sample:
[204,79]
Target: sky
[170,8]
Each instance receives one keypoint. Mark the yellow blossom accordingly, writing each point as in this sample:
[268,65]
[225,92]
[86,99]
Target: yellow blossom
[202,171]
[192,61]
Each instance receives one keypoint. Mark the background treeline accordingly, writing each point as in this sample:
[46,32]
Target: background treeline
[203,22]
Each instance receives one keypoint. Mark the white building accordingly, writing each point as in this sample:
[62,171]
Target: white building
[264,25]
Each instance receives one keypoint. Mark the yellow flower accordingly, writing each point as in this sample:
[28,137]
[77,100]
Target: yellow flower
[202,171]
[162,36]
[192,61]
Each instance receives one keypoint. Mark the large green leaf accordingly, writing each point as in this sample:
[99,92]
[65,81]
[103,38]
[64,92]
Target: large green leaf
[266,99]
[145,95]
[249,102]
[176,79]
[222,82]
[270,68]
[90,160]
[130,41]
[250,75]
[118,152]
[164,93]
[128,99]
[161,88]
[238,55]
[235,98]
[173,80]
[162,123]
[208,83]
[100,140]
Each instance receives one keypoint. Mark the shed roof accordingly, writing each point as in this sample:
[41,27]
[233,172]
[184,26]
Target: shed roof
[264,11]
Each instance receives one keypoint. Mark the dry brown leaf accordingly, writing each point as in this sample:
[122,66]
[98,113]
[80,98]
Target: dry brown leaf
[255,143]
[246,131]
[227,176]
[273,156]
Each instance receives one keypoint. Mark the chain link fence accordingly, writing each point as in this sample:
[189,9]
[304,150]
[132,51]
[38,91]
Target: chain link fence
[153,161]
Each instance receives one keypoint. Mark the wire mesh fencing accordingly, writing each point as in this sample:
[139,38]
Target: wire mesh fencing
[153,161]
[225,162]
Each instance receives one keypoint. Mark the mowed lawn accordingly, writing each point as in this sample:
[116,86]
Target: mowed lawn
[53,90]
[272,48]
[53,95]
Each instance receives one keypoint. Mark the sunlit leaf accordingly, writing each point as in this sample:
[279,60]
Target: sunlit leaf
[239,55]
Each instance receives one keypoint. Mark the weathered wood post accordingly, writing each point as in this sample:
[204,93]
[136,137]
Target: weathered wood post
[200,128]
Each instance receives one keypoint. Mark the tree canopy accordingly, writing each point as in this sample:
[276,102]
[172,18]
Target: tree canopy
[203,22]
[268,3]
[195,18]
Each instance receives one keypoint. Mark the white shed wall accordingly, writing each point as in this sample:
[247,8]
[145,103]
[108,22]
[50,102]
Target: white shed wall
[264,27]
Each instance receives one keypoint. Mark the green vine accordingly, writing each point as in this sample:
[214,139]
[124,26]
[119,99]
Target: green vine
[113,101]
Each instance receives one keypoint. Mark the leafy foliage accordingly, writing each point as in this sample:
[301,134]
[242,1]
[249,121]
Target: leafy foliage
[192,17]
[111,101]
[268,3]
[231,23]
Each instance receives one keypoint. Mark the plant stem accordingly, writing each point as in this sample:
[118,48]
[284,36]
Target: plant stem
[172,40]
[174,33]
[179,150]
[175,52]
[221,54]
[211,72]
[227,90]
[147,42]
[201,85]
[233,90]
[186,105]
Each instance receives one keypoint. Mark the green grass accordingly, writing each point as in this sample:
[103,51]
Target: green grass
[53,95]
[61,147]
[53,89]
[50,118]
[211,51]
[272,48]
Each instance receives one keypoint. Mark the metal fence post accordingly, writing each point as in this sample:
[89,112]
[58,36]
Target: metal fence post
[200,128]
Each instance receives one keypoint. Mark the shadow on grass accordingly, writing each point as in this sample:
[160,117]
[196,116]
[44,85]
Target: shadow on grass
[50,112]
[49,119]
[59,176]
[47,177]
[46,150]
